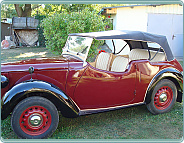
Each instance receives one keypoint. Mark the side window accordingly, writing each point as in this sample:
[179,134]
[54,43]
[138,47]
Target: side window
[157,52]
[119,44]
[153,45]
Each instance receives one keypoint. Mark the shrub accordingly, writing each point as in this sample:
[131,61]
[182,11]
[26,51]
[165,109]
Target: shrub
[58,26]
[41,38]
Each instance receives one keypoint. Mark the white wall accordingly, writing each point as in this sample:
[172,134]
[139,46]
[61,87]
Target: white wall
[165,9]
[136,18]
[128,19]
[131,19]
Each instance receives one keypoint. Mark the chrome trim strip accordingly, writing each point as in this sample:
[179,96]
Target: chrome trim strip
[76,105]
[89,111]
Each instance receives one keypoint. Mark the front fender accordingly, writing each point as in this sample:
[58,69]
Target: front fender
[38,88]
[169,73]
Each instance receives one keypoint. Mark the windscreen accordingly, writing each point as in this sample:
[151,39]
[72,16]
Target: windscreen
[78,46]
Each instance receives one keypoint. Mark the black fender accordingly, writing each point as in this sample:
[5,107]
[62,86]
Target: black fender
[38,88]
[169,73]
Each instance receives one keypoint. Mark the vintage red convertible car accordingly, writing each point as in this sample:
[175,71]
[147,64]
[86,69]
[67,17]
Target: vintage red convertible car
[33,91]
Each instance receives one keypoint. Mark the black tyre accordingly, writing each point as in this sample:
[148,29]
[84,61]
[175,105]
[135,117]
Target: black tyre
[163,97]
[34,118]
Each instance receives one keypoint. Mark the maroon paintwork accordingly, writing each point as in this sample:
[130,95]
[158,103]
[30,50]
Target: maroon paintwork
[103,89]
[18,71]
[90,88]
[35,90]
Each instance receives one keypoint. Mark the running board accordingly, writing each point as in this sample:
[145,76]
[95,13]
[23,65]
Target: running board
[92,111]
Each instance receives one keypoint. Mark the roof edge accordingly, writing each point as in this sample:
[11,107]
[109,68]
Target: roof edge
[134,5]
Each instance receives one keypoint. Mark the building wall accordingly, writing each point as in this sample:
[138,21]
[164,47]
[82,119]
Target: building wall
[168,20]
[128,18]
[5,30]
[131,19]
[136,18]
[165,9]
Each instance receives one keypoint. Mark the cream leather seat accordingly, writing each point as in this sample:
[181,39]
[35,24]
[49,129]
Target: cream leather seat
[103,61]
[137,54]
[119,64]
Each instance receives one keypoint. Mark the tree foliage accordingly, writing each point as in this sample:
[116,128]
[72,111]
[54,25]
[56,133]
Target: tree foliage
[61,19]
[98,7]
[18,10]
[58,26]
[8,11]
[50,9]
[41,38]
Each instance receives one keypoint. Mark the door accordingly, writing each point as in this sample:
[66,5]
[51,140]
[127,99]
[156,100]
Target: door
[177,37]
[103,89]
[170,25]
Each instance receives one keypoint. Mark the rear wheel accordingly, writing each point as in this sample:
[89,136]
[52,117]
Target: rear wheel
[34,117]
[163,97]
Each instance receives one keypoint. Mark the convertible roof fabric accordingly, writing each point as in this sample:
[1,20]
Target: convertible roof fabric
[132,36]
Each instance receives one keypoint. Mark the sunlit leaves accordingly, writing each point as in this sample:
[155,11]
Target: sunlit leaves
[58,26]
[8,11]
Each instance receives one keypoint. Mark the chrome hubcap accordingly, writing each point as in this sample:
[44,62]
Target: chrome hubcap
[35,120]
[163,97]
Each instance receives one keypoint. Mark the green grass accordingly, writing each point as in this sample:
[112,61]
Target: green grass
[128,123]
[23,53]
[181,62]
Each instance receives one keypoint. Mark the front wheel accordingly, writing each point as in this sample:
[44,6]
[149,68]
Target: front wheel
[163,97]
[34,118]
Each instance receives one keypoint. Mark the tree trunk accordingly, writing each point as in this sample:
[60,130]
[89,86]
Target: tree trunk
[19,10]
[23,13]
[27,11]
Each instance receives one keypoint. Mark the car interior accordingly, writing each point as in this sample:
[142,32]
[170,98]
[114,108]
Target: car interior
[119,63]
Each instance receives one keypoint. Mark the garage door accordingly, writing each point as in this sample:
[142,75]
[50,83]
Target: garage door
[170,25]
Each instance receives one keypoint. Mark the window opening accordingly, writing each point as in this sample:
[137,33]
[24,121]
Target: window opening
[155,54]
[122,49]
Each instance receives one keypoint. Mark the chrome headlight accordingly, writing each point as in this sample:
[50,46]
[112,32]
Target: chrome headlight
[4,81]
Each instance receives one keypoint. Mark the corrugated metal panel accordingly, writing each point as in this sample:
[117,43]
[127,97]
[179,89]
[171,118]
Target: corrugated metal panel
[25,23]
[165,9]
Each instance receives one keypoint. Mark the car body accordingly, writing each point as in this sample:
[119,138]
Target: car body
[34,90]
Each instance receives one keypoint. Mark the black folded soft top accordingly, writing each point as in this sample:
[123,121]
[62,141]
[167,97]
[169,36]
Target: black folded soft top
[130,36]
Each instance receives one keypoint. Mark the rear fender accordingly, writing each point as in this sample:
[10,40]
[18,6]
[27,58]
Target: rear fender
[38,88]
[170,73]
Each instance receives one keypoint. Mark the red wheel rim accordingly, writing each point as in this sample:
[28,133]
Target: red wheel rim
[163,97]
[35,120]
